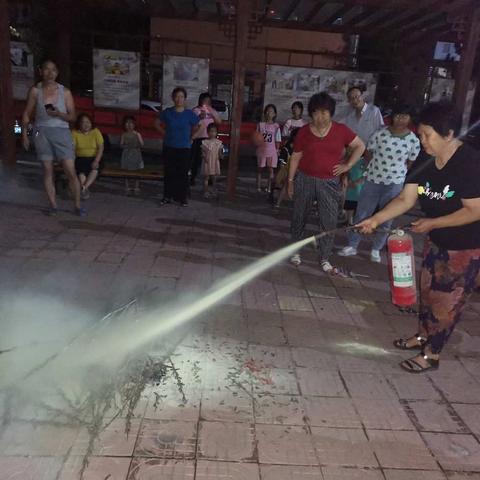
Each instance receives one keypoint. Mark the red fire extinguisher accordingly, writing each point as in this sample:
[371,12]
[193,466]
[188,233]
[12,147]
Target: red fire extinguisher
[401,267]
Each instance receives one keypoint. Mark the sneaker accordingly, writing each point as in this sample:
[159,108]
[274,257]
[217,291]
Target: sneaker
[52,211]
[165,201]
[184,204]
[326,266]
[81,212]
[347,252]
[296,260]
[375,256]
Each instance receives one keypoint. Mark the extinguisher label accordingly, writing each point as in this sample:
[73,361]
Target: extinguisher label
[402,270]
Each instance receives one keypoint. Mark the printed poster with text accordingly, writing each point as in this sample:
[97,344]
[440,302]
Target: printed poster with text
[284,85]
[116,79]
[188,72]
[21,60]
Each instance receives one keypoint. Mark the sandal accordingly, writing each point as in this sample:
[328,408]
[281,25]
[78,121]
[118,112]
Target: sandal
[412,366]
[401,344]
[329,269]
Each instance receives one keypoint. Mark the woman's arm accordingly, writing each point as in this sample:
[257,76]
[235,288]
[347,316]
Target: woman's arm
[98,155]
[27,116]
[469,213]
[356,149]
[398,206]
[159,126]
[294,161]
[122,140]
[216,117]
[140,139]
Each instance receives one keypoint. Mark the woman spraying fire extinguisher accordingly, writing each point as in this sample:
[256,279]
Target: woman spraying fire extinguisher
[448,190]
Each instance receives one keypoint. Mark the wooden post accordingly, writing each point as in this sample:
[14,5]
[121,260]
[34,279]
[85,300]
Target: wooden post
[63,9]
[465,67]
[7,115]
[241,43]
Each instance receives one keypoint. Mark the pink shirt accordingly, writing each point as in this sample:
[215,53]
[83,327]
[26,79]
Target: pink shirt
[207,116]
[271,135]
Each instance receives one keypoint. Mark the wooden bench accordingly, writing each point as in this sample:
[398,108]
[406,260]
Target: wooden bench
[111,172]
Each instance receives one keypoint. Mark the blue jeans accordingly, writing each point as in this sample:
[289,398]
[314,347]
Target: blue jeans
[372,197]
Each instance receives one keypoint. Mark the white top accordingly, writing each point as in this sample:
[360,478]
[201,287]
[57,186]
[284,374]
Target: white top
[365,125]
[292,123]
[390,156]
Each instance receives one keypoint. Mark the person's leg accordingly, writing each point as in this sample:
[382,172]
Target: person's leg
[281,195]
[183,164]
[82,179]
[327,193]
[168,174]
[259,178]
[303,192]
[92,176]
[48,183]
[270,179]
[387,194]
[69,169]
[196,156]
[366,205]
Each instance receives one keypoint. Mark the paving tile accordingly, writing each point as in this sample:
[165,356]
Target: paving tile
[112,441]
[289,472]
[331,412]
[470,414]
[401,449]
[289,291]
[21,438]
[211,470]
[226,406]
[285,445]
[113,468]
[435,416]
[342,473]
[324,384]
[275,381]
[304,332]
[266,335]
[295,303]
[409,475]
[460,388]
[166,439]
[368,385]
[343,447]
[279,409]
[455,452]
[410,387]
[226,441]
[271,356]
[29,468]
[462,476]
[382,414]
[156,469]
[350,363]
[309,357]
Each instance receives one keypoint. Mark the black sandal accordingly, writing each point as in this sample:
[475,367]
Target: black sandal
[401,344]
[412,366]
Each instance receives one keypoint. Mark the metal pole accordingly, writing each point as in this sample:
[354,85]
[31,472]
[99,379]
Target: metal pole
[7,115]
[241,43]
[467,60]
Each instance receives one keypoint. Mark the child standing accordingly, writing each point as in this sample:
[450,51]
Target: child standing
[267,153]
[131,142]
[212,149]
[296,121]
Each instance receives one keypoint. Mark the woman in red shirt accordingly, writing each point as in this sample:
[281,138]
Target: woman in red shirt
[315,168]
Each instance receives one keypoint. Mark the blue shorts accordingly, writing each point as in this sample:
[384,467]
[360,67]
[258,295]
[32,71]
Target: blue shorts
[53,143]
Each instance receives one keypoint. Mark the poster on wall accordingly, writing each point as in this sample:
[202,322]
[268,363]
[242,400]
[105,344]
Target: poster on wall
[116,79]
[442,89]
[188,72]
[21,60]
[284,85]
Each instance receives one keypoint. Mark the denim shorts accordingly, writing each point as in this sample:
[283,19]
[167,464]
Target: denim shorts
[53,143]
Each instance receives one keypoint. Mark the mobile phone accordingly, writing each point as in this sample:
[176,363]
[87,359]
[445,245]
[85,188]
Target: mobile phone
[49,106]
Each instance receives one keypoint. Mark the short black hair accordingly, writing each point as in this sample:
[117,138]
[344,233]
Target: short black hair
[400,108]
[360,88]
[177,90]
[212,126]
[126,118]
[48,60]
[81,117]
[442,117]
[321,101]
[270,105]
[202,97]
[298,104]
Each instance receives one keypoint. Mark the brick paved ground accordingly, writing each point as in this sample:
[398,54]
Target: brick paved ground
[293,377]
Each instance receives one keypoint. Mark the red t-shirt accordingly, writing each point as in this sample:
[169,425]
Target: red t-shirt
[320,155]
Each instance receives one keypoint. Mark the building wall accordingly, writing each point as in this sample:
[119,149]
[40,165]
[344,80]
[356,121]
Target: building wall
[271,46]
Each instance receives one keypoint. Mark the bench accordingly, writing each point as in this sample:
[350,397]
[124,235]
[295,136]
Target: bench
[111,172]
